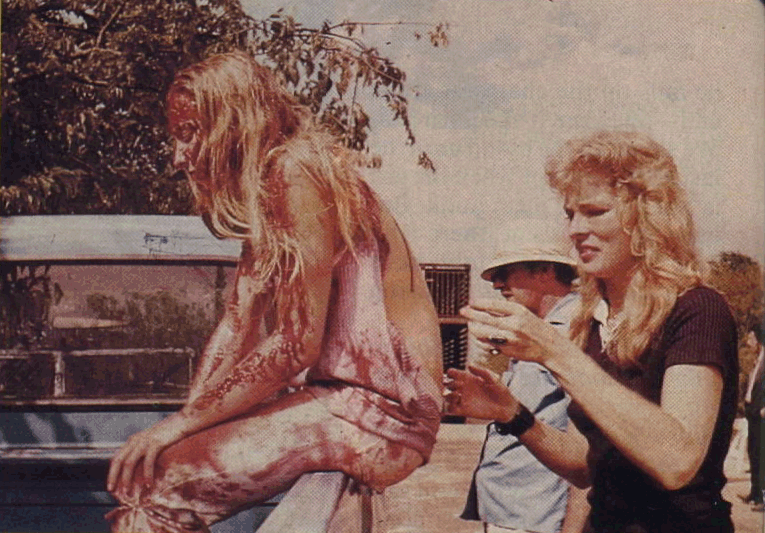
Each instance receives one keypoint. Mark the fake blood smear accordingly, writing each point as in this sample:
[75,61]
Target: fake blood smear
[276,366]
[274,201]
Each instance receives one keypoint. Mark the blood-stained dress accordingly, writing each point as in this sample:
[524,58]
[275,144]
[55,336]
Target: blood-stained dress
[369,378]
[367,408]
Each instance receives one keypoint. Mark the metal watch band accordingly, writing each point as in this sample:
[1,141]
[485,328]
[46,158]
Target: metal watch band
[520,423]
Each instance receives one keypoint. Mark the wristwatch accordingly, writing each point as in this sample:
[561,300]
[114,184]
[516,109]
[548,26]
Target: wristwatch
[520,423]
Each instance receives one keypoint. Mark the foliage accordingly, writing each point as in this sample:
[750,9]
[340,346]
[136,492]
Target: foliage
[740,279]
[26,297]
[155,320]
[84,81]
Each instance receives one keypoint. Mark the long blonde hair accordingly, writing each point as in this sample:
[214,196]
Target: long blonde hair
[653,209]
[250,126]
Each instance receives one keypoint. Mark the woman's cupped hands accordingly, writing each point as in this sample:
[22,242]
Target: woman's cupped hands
[509,328]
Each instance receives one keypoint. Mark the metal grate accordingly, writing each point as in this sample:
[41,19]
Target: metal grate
[454,345]
[449,286]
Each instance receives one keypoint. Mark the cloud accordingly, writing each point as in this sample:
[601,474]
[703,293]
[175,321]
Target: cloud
[519,77]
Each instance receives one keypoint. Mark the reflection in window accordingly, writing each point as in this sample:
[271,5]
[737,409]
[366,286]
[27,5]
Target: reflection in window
[84,331]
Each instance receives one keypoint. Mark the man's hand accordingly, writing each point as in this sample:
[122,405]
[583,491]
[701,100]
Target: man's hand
[478,393]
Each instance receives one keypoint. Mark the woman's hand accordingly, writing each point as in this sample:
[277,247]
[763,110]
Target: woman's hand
[143,447]
[509,328]
[478,393]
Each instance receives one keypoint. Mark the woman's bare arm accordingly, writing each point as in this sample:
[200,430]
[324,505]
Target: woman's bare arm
[668,441]
[271,362]
[237,331]
[217,351]
[223,349]
[477,393]
[260,369]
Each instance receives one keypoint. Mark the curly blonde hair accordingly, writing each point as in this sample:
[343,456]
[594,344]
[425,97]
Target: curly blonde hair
[250,128]
[653,209]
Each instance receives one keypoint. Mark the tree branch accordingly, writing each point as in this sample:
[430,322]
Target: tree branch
[88,51]
[362,60]
[347,23]
[86,81]
[100,38]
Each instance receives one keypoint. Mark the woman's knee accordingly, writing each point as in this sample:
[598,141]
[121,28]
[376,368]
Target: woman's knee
[383,465]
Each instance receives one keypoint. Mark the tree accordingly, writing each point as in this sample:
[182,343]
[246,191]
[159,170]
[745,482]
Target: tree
[153,320]
[27,294]
[740,279]
[84,82]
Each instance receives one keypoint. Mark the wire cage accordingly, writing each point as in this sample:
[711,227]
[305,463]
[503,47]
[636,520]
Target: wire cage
[449,285]
[454,344]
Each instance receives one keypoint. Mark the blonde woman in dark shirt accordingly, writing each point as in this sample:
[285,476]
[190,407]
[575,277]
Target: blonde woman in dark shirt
[651,365]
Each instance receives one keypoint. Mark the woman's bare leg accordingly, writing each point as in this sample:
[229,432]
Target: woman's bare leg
[212,474]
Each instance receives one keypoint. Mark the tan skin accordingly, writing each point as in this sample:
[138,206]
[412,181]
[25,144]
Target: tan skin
[668,441]
[411,311]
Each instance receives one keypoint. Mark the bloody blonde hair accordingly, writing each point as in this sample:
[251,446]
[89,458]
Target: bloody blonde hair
[250,126]
[654,211]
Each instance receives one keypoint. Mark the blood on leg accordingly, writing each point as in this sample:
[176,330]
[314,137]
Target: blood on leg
[210,475]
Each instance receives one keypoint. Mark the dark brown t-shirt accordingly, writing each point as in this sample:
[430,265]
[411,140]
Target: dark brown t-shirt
[700,330]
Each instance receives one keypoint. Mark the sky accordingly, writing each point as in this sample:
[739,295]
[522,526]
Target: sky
[520,77]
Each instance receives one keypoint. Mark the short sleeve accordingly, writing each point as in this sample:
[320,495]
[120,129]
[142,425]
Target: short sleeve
[537,389]
[701,331]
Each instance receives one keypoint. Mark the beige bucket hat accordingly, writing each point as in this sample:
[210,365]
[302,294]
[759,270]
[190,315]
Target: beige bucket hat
[531,244]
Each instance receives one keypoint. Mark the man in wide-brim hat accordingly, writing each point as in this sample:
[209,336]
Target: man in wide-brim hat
[511,489]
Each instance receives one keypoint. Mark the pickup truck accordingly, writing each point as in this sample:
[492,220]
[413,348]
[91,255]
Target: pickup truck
[101,321]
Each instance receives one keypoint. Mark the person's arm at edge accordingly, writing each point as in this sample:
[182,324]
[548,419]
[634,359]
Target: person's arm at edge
[668,441]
